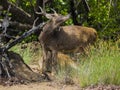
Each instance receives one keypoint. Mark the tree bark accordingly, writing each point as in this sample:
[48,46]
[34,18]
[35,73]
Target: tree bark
[39,3]
[73,13]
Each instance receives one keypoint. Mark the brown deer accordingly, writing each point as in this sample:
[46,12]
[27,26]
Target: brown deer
[55,37]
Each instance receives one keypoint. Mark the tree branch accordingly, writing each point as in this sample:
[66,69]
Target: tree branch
[18,40]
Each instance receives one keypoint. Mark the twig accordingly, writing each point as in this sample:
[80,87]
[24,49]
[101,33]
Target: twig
[105,27]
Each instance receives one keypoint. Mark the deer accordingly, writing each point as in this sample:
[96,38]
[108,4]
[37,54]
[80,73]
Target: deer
[56,38]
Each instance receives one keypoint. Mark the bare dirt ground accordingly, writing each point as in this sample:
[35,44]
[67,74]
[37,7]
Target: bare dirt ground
[54,86]
[40,86]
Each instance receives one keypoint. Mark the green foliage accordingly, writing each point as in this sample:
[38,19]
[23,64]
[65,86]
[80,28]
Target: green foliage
[25,53]
[104,16]
[30,39]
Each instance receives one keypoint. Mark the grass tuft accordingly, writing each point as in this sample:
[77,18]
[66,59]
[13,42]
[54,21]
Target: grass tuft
[101,66]
[31,52]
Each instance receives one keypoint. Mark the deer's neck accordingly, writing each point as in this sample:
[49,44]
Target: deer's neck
[49,27]
[47,31]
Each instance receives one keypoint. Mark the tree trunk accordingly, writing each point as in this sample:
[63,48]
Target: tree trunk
[73,12]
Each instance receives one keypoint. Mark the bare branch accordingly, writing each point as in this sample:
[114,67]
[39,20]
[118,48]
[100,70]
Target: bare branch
[17,25]
[18,40]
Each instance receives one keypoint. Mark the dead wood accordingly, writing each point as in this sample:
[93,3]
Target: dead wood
[18,26]
[20,72]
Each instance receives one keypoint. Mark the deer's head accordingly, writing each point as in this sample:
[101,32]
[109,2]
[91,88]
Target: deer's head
[55,20]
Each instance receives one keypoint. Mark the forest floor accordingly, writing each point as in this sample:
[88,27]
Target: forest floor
[56,85]
[53,86]
[50,86]
[40,86]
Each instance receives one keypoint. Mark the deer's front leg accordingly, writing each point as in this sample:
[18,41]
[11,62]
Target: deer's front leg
[55,61]
[47,61]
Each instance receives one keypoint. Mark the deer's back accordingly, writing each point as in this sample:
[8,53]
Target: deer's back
[69,38]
